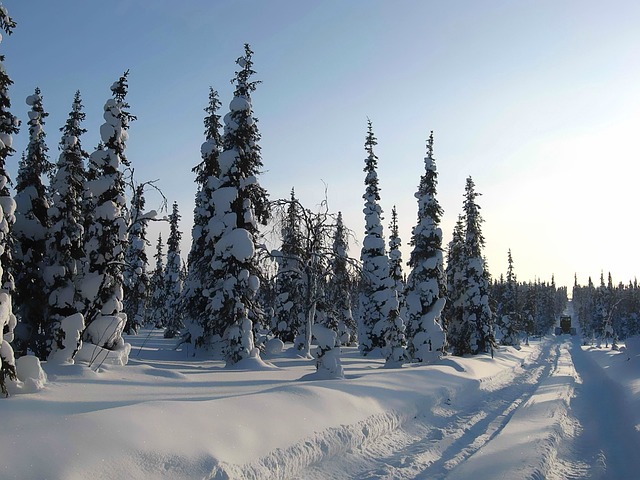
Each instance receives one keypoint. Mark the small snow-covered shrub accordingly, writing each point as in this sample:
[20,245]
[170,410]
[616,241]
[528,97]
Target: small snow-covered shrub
[69,340]
[328,362]
[95,355]
[106,332]
[7,358]
[274,346]
[30,373]
[103,342]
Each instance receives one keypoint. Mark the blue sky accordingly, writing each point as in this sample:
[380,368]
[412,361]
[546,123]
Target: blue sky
[539,101]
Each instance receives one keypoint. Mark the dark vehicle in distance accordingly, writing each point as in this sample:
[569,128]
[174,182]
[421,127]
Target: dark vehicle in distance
[565,326]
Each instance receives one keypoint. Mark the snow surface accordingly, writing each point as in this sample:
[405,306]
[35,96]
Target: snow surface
[524,414]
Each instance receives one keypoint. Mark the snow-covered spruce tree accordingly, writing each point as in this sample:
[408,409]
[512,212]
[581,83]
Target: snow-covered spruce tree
[289,316]
[106,239]
[8,127]
[241,204]
[156,308]
[136,276]
[425,294]
[65,246]
[31,230]
[395,257]
[458,332]
[202,244]
[173,277]
[380,323]
[510,321]
[339,286]
[92,173]
[476,310]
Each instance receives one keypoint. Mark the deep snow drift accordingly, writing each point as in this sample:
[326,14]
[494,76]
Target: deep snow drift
[524,414]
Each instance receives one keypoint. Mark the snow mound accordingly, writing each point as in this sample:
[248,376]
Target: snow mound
[30,373]
[164,373]
[274,346]
[251,363]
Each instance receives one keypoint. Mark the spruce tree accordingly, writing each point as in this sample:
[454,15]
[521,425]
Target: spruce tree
[66,244]
[458,331]
[31,230]
[89,199]
[289,320]
[136,277]
[173,277]
[340,285]
[8,127]
[241,204]
[395,257]
[426,284]
[476,310]
[106,240]
[156,308]
[380,323]
[510,321]
[202,243]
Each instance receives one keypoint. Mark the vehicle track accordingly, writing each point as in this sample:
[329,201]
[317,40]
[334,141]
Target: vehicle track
[440,438]
[603,444]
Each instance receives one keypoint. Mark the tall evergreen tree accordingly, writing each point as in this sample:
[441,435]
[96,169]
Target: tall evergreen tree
[510,321]
[380,323]
[458,331]
[241,204]
[8,127]
[89,201]
[31,230]
[395,257]
[426,284]
[66,243]
[476,310]
[106,240]
[173,276]
[289,319]
[156,308]
[203,244]
[136,277]
[340,285]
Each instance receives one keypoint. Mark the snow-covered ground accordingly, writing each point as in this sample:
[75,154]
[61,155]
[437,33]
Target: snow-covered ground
[553,410]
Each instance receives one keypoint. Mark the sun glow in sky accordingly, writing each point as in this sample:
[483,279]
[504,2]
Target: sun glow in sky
[539,101]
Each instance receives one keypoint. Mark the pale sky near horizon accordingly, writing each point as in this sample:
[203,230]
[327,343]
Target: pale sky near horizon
[539,101]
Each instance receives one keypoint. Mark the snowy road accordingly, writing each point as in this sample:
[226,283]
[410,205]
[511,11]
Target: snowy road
[558,416]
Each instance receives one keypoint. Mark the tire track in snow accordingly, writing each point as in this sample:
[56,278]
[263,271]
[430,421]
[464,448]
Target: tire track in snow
[527,445]
[499,406]
[437,440]
[604,444]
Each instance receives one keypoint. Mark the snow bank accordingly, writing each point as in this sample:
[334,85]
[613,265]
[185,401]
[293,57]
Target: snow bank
[186,419]
[623,368]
